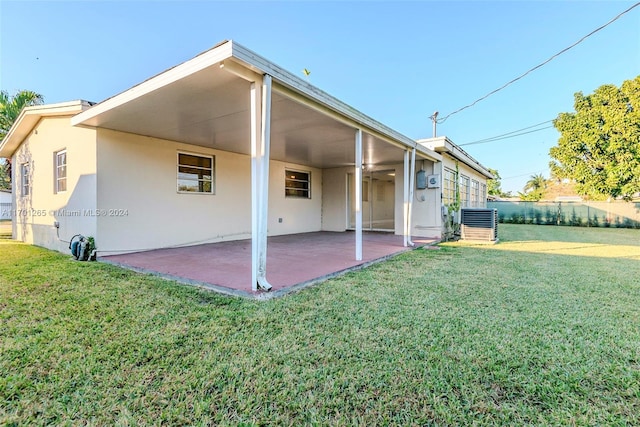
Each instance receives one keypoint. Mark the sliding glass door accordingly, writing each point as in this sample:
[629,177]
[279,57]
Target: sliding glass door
[378,197]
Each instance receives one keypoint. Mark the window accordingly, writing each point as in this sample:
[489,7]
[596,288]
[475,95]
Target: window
[475,193]
[25,181]
[195,173]
[61,171]
[464,191]
[297,184]
[449,187]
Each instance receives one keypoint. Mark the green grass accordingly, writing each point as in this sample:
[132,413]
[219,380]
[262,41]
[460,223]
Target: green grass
[5,229]
[519,333]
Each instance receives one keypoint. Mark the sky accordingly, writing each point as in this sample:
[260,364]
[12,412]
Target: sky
[395,61]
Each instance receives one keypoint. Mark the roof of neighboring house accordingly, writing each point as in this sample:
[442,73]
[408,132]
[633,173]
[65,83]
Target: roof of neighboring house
[2,190]
[29,118]
[442,144]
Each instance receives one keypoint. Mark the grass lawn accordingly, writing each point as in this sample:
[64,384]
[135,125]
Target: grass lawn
[5,229]
[541,329]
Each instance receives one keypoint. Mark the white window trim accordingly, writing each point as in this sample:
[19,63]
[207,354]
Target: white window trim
[465,183]
[285,184]
[449,185]
[213,172]
[57,169]
[25,181]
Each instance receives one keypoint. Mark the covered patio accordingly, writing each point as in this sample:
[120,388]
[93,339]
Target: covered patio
[232,100]
[294,261]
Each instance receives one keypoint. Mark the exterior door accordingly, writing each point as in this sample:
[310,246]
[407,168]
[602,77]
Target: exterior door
[378,201]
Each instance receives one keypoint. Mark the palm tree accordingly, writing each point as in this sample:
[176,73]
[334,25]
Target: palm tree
[535,183]
[10,108]
[534,188]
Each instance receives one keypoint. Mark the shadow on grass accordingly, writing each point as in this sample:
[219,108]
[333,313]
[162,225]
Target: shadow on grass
[585,242]
[5,229]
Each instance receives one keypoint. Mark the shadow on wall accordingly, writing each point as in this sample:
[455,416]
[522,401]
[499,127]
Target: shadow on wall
[79,215]
[24,202]
[37,214]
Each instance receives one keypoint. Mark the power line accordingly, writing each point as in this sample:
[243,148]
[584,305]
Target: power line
[524,174]
[507,137]
[511,134]
[442,120]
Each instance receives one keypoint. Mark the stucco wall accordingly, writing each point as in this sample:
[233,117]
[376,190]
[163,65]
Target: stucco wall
[137,182]
[36,212]
[426,220]
[334,199]
[427,211]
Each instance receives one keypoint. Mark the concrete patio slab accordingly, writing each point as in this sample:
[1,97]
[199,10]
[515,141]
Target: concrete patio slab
[293,261]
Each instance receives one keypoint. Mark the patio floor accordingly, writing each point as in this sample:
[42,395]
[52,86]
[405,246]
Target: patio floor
[293,261]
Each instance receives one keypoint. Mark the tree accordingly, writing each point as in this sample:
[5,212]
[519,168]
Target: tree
[534,188]
[599,145]
[10,108]
[494,186]
[5,179]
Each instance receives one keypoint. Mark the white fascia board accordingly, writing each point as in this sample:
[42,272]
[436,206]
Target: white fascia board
[448,146]
[295,83]
[206,59]
[30,116]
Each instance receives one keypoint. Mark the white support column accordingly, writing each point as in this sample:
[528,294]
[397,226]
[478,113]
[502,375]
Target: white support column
[256,103]
[358,195]
[260,148]
[412,178]
[405,210]
[263,195]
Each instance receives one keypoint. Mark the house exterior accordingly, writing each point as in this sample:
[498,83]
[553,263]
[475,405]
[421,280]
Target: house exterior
[225,146]
[458,165]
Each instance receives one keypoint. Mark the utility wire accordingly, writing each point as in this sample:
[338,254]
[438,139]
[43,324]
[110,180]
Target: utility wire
[442,120]
[511,134]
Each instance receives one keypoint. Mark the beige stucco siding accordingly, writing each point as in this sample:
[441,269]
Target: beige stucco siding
[37,212]
[137,183]
[298,215]
[427,212]
[334,199]
[336,213]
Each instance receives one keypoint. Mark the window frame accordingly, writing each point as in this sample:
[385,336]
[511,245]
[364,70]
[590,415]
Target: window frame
[287,171]
[475,193]
[465,187]
[212,170]
[25,179]
[57,167]
[449,186]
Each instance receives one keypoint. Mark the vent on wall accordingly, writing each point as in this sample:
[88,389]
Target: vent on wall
[479,224]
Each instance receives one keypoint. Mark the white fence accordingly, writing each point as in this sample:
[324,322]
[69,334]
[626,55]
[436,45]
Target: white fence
[6,211]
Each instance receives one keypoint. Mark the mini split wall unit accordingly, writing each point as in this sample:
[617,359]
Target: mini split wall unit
[225,146]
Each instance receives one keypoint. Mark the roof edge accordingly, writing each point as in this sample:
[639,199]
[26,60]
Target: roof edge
[30,116]
[297,84]
[444,144]
[214,55]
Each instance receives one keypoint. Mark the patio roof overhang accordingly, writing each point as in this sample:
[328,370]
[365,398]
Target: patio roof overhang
[205,101]
[229,98]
